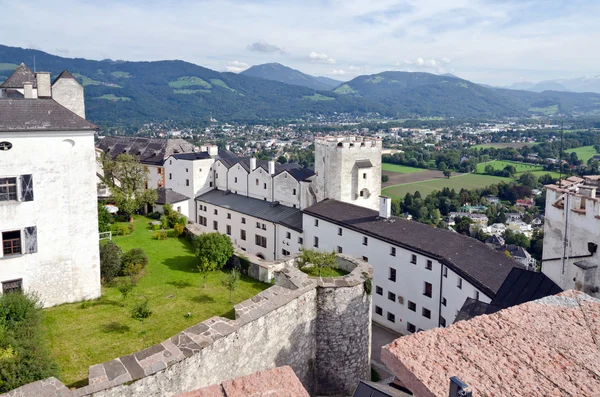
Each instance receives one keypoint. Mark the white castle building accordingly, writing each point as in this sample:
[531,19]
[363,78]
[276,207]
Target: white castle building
[572,234]
[423,275]
[48,211]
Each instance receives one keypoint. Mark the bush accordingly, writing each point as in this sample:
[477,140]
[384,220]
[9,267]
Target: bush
[104,218]
[134,256]
[385,178]
[24,358]
[178,229]
[164,221]
[161,235]
[110,261]
[154,215]
[155,227]
[130,227]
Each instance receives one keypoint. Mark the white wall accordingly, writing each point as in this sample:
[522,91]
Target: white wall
[181,207]
[220,175]
[238,180]
[66,266]
[69,93]
[155,176]
[262,189]
[190,178]
[410,278]
[284,187]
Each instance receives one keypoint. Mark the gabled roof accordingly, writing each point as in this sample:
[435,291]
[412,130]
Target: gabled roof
[39,115]
[364,163]
[19,77]
[64,75]
[151,151]
[272,212]
[192,156]
[300,174]
[296,171]
[169,196]
[479,264]
[228,158]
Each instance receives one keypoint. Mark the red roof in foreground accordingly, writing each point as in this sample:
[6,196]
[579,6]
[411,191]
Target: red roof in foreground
[276,382]
[547,347]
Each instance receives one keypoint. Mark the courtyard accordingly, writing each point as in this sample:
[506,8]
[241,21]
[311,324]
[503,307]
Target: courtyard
[83,334]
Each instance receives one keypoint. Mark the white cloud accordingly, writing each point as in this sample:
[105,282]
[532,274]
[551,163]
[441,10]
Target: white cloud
[338,72]
[419,61]
[236,66]
[320,58]
[263,46]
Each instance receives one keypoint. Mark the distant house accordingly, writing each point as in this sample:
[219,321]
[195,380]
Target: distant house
[513,216]
[519,254]
[494,241]
[492,199]
[481,219]
[525,203]
[473,208]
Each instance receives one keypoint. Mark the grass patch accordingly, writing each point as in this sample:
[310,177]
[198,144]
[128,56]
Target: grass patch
[8,66]
[188,91]
[503,145]
[81,335]
[85,81]
[326,272]
[375,80]
[500,164]
[222,84]
[467,181]
[401,169]
[318,97]
[547,110]
[584,153]
[114,98]
[189,81]
[344,89]
[121,75]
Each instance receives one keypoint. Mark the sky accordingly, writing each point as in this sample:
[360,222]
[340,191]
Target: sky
[497,42]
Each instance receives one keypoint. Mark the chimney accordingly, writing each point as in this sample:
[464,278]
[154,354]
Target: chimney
[28,90]
[213,150]
[252,163]
[385,207]
[271,167]
[458,388]
[226,147]
[43,85]
[587,191]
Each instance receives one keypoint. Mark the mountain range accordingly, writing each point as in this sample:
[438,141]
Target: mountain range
[284,74]
[131,93]
[579,84]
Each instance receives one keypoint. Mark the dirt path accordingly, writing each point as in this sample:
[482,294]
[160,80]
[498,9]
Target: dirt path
[396,178]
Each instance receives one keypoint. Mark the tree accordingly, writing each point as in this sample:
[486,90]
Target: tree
[110,261]
[133,263]
[104,218]
[141,312]
[232,281]
[447,173]
[320,259]
[385,178]
[597,148]
[528,179]
[126,178]
[489,169]
[213,250]
[282,159]
[396,207]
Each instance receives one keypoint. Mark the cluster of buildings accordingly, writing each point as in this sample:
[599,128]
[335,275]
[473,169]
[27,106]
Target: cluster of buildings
[424,278]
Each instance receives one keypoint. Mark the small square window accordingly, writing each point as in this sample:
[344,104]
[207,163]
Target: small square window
[444,301]
[339,231]
[393,251]
[426,313]
[365,258]
[442,321]
[413,259]
[339,250]
[476,295]
[229,215]
[411,327]
[215,225]
[364,175]
[391,296]
[365,241]
[459,283]
[243,221]
[11,242]
[300,240]
[229,230]
[412,306]
[316,222]
[378,310]
[316,242]
[264,227]
[378,290]
[288,235]
[445,271]
[258,225]
[391,317]
[216,212]
[392,276]
[12,286]
[429,265]
[428,290]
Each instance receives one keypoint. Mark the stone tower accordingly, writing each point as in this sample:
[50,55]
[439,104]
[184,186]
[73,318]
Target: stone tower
[348,169]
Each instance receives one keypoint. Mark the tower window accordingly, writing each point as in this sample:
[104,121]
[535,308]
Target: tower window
[364,175]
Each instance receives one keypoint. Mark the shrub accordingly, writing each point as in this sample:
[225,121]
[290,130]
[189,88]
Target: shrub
[164,222]
[154,215]
[134,256]
[104,218]
[110,261]
[141,312]
[125,287]
[24,358]
[130,227]
[161,235]
[178,229]
[155,227]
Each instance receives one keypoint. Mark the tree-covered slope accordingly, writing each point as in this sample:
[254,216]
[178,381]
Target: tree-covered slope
[284,74]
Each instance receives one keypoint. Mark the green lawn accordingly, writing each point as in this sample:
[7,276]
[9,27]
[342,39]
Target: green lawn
[584,153]
[113,97]
[503,145]
[188,81]
[401,169]
[326,272]
[500,164]
[318,97]
[80,337]
[467,181]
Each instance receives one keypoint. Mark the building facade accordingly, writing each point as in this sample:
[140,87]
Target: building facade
[48,209]
[572,234]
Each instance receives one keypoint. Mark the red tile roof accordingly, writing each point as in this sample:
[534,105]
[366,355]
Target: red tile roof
[547,347]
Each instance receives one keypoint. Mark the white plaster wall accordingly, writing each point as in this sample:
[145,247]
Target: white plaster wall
[69,93]
[283,190]
[289,240]
[239,174]
[580,229]
[64,210]
[155,176]
[220,175]
[249,245]
[197,172]
[180,206]
[455,297]
[307,193]
[258,190]
[410,278]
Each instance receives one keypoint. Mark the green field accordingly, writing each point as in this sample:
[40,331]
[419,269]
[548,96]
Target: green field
[318,97]
[503,145]
[82,335]
[121,74]
[113,97]
[8,66]
[584,153]
[189,81]
[187,91]
[500,164]
[467,181]
[401,169]
[548,110]
[344,89]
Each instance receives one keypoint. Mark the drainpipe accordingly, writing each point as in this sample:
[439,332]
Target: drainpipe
[441,292]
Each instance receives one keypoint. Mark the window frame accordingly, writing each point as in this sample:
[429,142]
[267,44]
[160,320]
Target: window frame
[391,296]
[427,293]
[7,185]
[392,274]
[12,241]
[378,290]
[425,312]
[412,306]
